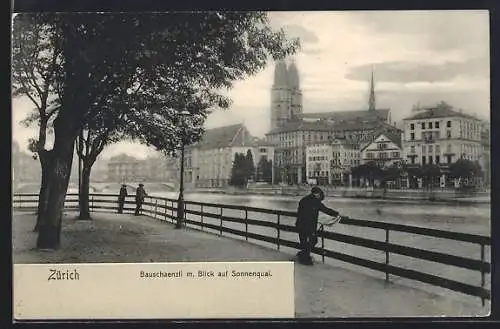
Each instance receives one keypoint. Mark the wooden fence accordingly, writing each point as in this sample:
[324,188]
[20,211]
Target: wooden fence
[275,224]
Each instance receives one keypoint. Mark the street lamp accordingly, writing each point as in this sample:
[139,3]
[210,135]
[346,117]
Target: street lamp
[180,200]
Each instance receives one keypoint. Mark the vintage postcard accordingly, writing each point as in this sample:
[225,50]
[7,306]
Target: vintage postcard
[200,165]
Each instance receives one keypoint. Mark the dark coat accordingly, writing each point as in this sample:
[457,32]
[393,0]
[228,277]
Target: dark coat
[308,211]
[123,192]
[140,194]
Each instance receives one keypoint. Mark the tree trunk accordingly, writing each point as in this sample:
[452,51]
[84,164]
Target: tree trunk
[49,230]
[83,195]
[42,196]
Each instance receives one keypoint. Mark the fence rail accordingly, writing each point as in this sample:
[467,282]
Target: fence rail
[221,221]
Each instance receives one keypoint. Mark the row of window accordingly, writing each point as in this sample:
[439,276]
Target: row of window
[467,148]
[305,137]
[318,174]
[430,125]
[431,135]
[382,146]
[352,162]
[430,159]
[383,155]
[317,158]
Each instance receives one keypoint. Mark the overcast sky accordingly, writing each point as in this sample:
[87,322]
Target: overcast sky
[418,57]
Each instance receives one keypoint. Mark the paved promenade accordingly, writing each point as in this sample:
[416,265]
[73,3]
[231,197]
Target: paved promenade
[320,291]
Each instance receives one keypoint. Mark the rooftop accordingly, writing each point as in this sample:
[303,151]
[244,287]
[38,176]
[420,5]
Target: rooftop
[227,136]
[395,138]
[342,116]
[123,158]
[438,112]
[300,125]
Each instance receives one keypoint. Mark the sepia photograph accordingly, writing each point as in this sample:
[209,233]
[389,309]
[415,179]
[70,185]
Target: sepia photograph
[353,146]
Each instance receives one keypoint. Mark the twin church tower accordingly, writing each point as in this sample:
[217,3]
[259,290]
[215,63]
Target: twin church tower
[286,96]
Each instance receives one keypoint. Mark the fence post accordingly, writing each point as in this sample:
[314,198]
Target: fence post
[184,219]
[156,206]
[201,221]
[482,272]
[386,255]
[92,203]
[172,208]
[322,244]
[278,233]
[221,220]
[165,213]
[246,224]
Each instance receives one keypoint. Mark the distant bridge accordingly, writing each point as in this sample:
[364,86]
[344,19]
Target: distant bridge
[34,187]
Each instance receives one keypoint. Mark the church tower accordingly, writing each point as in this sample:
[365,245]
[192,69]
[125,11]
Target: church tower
[280,96]
[371,100]
[295,92]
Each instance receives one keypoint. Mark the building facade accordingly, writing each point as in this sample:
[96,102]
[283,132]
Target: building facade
[346,155]
[332,163]
[292,131]
[318,163]
[209,162]
[485,159]
[384,151]
[290,143]
[441,136]
[124,168]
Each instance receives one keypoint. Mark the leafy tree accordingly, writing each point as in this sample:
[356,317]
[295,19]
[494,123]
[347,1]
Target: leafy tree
[393,173]
[36,73]
[267,172]
[181,61]
[249,166]
[238,171]
[264,170]
[368,170]
[260,168]
[428,173]
[464,168]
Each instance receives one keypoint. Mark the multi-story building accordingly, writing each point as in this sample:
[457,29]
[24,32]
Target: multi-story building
[331,163]
[359,126]
[124,168]
[290,143]
[383,150]
[441,135]
[208,163]
[318,160]
[485,159]
[346,155]
[292,130]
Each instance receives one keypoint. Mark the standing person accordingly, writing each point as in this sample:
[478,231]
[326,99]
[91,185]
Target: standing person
[307,221]
[121,198]
[140,194]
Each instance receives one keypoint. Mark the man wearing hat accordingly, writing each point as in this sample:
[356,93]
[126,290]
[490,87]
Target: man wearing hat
[140,194]
[121,198]
[307,221]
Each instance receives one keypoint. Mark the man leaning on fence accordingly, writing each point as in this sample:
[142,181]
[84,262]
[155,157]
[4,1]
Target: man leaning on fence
[307,221]
[140,194]
[121,198]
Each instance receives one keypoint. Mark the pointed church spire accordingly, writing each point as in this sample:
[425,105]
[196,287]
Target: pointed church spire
[280,74]
[371,101]
[293,75]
